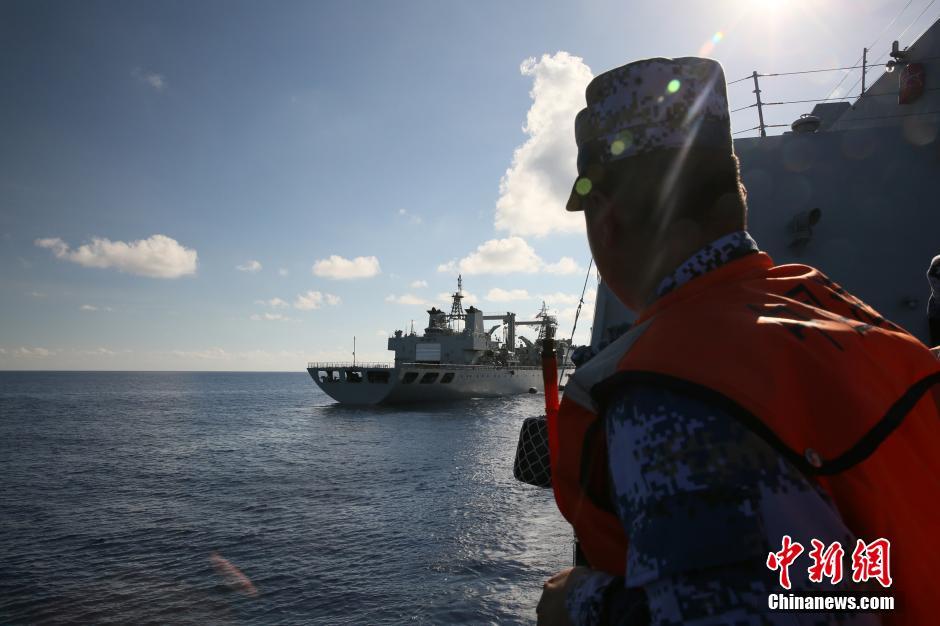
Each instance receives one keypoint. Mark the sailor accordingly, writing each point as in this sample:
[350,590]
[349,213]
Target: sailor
[751,407]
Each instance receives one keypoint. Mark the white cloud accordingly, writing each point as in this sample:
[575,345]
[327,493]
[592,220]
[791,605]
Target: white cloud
[251,266]
[208,353]
[314,300]
[274,303]
[33,352]
[419,284]
[468,298]
[414,219]
[88,307]
[565,266]
[408,299]
[157,257]
[506,256]
[338,268]
[271,317]
[37,294]
[497,256]
[282,272]
[568,299]
[156,81]
[534,190]
[502,295]
[381,333]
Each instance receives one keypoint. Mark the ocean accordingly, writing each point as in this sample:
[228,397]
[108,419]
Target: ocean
[138,497]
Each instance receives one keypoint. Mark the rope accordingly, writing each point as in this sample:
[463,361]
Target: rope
[577,314]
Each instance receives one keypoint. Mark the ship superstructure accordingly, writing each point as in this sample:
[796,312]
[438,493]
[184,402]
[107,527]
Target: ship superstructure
[456,357]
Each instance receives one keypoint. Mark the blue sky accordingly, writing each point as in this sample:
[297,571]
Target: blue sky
[247,185]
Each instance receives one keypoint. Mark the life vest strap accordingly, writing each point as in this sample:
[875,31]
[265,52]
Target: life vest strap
[605,391]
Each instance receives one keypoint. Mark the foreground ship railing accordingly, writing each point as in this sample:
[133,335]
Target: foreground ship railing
[347,364]
[316,365]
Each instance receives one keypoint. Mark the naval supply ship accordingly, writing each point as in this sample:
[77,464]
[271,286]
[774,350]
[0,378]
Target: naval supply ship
[851,188]
[456,358]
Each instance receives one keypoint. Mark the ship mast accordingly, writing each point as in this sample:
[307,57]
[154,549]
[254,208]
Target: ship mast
[456,309]
[547,327]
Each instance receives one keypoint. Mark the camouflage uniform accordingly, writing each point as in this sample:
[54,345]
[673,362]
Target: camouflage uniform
[703,501]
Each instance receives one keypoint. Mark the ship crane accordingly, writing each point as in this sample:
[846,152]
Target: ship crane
[543,320]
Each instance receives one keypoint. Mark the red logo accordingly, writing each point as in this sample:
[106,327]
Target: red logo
[783,559]
[869,561]
[872,560]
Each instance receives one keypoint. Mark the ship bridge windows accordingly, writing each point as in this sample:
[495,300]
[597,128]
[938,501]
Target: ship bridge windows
[409,377]
[429,378]
[446,378]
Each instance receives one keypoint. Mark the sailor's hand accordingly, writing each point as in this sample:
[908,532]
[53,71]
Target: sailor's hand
[551,609]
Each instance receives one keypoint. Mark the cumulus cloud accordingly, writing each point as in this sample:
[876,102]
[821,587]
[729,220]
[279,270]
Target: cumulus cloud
[507,256]
[468,298]
[282,272]
[251,266]
[271,317]
[274,303]
[419,284]
[568,299]
[158,256]
[502,295]
[534,190]
[566,265]
[408,299]
[314,300]
[497,256]
[154,80]
[338,268]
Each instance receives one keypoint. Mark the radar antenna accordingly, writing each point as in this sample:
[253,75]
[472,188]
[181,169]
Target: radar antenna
[548,325]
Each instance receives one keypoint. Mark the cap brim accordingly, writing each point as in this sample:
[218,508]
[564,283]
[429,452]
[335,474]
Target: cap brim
[575,200]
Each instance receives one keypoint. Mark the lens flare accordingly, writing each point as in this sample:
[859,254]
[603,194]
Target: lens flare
[709,46]
[673,86]
[583,186]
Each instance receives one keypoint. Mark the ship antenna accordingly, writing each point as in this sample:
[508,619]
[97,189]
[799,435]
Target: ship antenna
[354,351]
[456,309]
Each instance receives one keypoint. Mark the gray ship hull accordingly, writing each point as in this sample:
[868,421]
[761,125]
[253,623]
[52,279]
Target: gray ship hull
[417,383]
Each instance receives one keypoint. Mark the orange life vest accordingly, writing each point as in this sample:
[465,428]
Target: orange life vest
[844,395]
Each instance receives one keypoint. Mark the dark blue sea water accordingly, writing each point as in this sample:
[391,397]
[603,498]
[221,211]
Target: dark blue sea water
[116,489]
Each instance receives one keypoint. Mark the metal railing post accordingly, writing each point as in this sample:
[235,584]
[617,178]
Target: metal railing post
[760,108]
[864,64]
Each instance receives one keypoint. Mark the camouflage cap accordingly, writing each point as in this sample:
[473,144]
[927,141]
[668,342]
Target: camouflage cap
[650,105]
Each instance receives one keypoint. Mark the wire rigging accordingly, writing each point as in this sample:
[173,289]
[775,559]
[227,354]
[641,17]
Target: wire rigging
[577,314]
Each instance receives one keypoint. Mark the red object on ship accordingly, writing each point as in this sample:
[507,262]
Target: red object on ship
[550,377]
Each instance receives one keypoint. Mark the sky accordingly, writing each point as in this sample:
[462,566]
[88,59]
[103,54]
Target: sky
[248,186]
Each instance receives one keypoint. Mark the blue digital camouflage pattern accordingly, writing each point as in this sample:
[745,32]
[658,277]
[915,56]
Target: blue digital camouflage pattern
[704,501]
[653,104]
[724,249]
